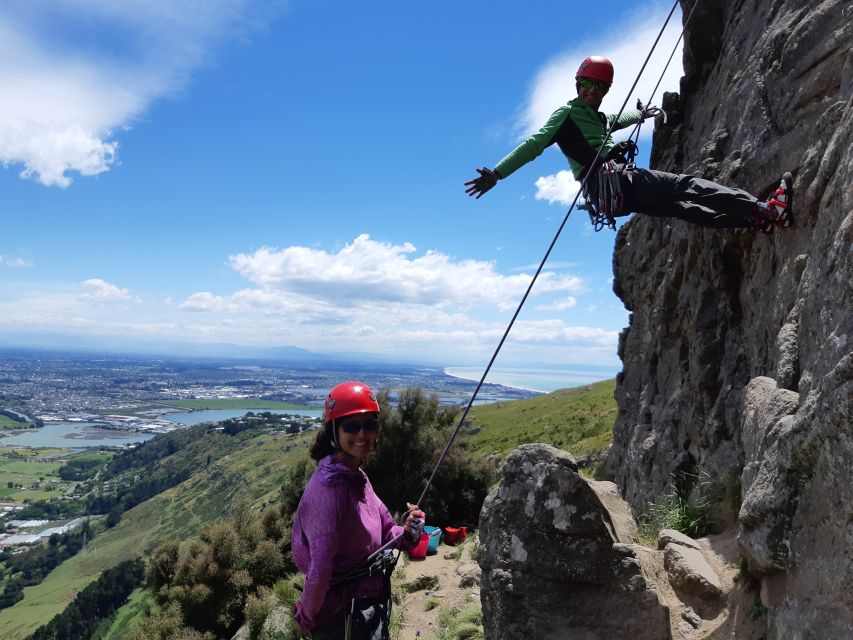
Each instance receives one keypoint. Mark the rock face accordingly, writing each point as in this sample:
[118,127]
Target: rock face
[737,362]
[556,563]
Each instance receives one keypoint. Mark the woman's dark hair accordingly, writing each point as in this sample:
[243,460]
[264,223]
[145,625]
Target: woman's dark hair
[323,444]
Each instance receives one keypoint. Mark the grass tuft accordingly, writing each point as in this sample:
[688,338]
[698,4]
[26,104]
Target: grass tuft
[423,583]
[461,623]
[688,515]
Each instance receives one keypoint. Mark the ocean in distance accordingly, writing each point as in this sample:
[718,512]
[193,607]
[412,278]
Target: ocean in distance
[537,379]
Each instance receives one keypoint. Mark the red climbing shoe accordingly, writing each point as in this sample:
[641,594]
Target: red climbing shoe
[779,203]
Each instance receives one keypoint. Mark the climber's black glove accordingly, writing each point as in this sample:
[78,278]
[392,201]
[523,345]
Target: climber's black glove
[621,151]
[478,186]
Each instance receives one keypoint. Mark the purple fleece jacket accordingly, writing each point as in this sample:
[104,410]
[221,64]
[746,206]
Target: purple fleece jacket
[339,522]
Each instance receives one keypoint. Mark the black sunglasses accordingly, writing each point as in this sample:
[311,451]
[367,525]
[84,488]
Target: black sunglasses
[354,425]
[588,83]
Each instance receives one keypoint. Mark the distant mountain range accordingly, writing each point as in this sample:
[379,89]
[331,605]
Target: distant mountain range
[107,344]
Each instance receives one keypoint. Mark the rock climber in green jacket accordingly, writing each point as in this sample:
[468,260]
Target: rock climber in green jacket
[579,128]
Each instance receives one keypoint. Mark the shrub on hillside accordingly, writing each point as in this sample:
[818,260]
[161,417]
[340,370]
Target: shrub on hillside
[209,577]
[168,624]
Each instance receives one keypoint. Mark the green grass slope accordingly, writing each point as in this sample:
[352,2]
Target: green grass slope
[125,620]
[253,473]
[579,420]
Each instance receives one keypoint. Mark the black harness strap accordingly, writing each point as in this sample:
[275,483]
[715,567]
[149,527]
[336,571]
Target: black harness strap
[383,563]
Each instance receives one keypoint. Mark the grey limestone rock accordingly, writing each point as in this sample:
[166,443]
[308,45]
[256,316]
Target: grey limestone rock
[737,361]
[556,562]
[671,536]
[690,573]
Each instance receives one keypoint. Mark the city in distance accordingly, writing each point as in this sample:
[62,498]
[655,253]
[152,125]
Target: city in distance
[147,394]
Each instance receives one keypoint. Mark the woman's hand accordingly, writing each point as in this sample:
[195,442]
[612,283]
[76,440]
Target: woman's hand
[414,525]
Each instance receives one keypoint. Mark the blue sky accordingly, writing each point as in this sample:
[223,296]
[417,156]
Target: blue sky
[291,173]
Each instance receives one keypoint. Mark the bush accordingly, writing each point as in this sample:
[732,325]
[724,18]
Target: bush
[167,624]
[212,576]
[258,607]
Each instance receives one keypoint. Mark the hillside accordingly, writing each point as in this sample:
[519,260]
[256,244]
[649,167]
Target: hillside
[579,420]
[251,471]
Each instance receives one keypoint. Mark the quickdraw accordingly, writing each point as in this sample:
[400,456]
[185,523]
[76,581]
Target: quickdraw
[609,202]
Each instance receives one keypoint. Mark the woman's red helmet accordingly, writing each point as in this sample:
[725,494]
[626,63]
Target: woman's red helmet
[348,398]
[596,68]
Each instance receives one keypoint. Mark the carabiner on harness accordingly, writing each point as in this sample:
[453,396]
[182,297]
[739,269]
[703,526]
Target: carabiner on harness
[610,200]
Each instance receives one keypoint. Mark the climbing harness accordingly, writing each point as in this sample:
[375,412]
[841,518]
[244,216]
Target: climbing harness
[383,564]
[607,202]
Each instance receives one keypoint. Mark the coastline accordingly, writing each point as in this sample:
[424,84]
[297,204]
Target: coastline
[536,380]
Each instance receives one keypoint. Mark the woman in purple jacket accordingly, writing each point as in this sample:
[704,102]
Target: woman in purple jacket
[341,521]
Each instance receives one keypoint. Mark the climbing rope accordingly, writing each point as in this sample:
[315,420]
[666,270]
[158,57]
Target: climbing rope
[464,415]
[635,133]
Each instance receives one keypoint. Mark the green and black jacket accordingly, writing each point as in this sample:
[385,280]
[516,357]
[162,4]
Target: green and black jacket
[578,130]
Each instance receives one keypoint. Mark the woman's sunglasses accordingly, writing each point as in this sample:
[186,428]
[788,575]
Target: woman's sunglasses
[586,83]
[354,425]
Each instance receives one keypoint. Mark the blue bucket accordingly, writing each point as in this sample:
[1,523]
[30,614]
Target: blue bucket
[434,538]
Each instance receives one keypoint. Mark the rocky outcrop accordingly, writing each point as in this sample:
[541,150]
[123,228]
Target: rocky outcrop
[559,560]
[737,362]
[556,563]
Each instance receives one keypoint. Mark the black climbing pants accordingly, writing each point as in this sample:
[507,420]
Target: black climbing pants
[702,202]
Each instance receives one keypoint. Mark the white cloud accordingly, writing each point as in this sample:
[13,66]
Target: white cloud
[554,85]
[560,187]
[14,263]
[556,331]
[559,305]
[370,270]
[98,290]
[391,299]
[292,301]
[66,92]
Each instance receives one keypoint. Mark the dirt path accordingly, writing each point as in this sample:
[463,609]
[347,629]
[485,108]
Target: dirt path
[419,622]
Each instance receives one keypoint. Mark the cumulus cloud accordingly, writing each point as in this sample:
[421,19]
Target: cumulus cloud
[370,270]
[554,83]
[98,290]
[386,298]
[560,187]
[559,305]
[75,71]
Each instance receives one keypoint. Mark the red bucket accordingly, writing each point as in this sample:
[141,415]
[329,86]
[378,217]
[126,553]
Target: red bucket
[419,551]
[455,535]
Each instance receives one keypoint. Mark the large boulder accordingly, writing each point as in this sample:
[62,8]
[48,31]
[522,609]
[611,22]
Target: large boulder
[557,563]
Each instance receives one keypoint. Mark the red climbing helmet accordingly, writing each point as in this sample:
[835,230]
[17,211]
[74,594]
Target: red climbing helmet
[597,68]
[348,398]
